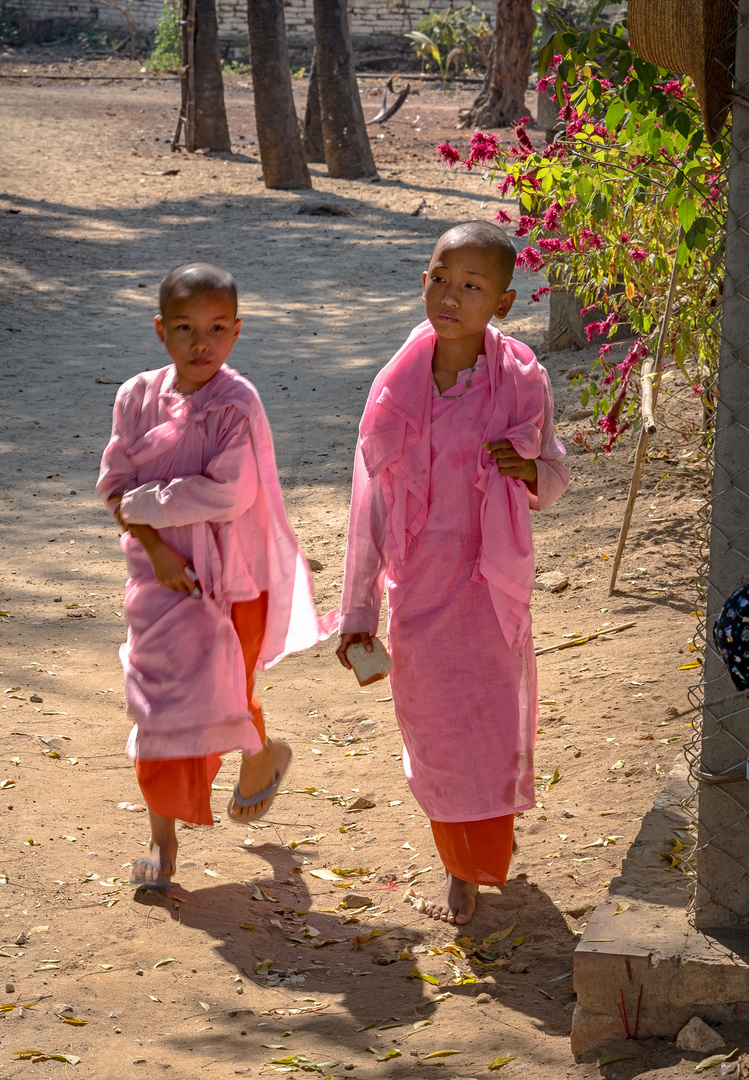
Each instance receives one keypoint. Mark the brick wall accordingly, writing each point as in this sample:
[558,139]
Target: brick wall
[366,17]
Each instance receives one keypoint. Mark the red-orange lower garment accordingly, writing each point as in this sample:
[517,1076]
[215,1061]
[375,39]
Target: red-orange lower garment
[181,787]
[477,851]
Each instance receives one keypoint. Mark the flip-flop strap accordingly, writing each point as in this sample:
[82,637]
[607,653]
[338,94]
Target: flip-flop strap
[253,800]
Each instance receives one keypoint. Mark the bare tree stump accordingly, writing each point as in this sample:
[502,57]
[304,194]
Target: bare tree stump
[278,135]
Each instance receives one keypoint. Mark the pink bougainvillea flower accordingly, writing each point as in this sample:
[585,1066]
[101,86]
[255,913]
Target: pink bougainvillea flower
[605,349]
[697,389]
[674,88]
[507,184]
[552,215]
[523,138]
[543,290]
[591,239]
[624,237]
[593,330]
[530,259]
[483,148]
[502,217]
[637,255]
[526,222]
[638,352]
[448,153]
[549,243]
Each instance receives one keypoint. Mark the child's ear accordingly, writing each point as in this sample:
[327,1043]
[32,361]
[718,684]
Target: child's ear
[158,325]
[237,327]
[423,285]
[505,303]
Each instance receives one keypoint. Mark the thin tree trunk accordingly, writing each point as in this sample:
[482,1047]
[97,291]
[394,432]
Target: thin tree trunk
[314,144]
[211,128]
[347,150]
[278,135]
[501,99]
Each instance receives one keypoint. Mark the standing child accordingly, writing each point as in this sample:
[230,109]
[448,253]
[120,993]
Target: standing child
[456,445]
[218,584]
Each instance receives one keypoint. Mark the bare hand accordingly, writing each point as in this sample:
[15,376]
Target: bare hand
[510,463]
[169,566]
[351,639]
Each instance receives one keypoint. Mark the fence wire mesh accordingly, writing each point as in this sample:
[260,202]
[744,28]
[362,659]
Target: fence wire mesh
[719,870]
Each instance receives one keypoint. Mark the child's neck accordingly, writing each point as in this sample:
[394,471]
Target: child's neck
[454,356]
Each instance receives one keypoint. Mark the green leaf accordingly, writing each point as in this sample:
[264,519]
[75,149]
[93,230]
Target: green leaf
[606,1059]
[713,1060]
[686,213]
[598,206]
[614,114]
[545,57]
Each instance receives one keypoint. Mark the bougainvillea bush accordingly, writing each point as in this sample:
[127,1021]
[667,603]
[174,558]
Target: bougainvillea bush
[628,185]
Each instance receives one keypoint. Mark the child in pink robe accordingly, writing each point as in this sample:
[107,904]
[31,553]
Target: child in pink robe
[456,446]
[218,583]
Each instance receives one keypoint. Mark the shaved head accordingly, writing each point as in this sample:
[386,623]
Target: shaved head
[190,278]
[488,237]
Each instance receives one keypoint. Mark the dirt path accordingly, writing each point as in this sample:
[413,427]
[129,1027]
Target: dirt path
[265,962]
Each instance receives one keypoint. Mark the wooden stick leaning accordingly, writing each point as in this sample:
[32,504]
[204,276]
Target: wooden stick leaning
[650,379]
[585,637]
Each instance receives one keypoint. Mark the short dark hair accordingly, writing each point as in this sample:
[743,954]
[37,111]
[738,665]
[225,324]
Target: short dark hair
[485,234]
[196,277]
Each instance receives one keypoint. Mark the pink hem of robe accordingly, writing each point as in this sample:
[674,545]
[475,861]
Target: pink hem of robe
[201,470]
[433,520]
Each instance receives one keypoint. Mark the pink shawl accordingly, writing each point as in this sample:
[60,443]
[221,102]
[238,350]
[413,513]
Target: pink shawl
[395,442]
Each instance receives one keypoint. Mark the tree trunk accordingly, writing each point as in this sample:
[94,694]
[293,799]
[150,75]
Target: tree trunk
[347,150]
[278,135]
[501,99]
[314,144]
[211,128]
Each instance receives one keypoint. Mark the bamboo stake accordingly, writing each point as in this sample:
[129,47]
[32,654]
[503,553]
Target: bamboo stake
[650,379]
[584,638]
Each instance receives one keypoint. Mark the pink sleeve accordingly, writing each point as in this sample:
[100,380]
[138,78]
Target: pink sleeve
[226,489]
[117,473]
[553,476]
[366,554]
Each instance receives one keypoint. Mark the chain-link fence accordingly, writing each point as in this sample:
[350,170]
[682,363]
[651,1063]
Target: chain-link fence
[720,740]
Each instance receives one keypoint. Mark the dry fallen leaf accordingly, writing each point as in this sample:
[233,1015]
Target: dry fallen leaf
[165,960]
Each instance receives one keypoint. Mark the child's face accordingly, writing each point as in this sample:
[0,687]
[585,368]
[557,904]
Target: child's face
[199,332]
[464,289]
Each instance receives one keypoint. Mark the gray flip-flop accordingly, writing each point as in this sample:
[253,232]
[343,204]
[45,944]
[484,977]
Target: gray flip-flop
[258,797]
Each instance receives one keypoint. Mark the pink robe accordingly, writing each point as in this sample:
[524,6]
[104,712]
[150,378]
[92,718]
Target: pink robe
[434,521]
[201,470]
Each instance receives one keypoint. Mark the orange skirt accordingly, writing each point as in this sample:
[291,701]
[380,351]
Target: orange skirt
[181,787]
[477,851]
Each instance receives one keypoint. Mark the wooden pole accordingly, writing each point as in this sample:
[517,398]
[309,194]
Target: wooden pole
[650,381]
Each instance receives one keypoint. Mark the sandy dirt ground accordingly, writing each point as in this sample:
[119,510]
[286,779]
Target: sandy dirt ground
[257,955]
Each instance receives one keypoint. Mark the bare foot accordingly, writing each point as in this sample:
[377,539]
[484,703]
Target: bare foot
[157,871]
[457,903]
[258,772]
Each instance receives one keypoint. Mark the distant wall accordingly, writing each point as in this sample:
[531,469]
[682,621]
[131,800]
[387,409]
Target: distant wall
[367,18]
